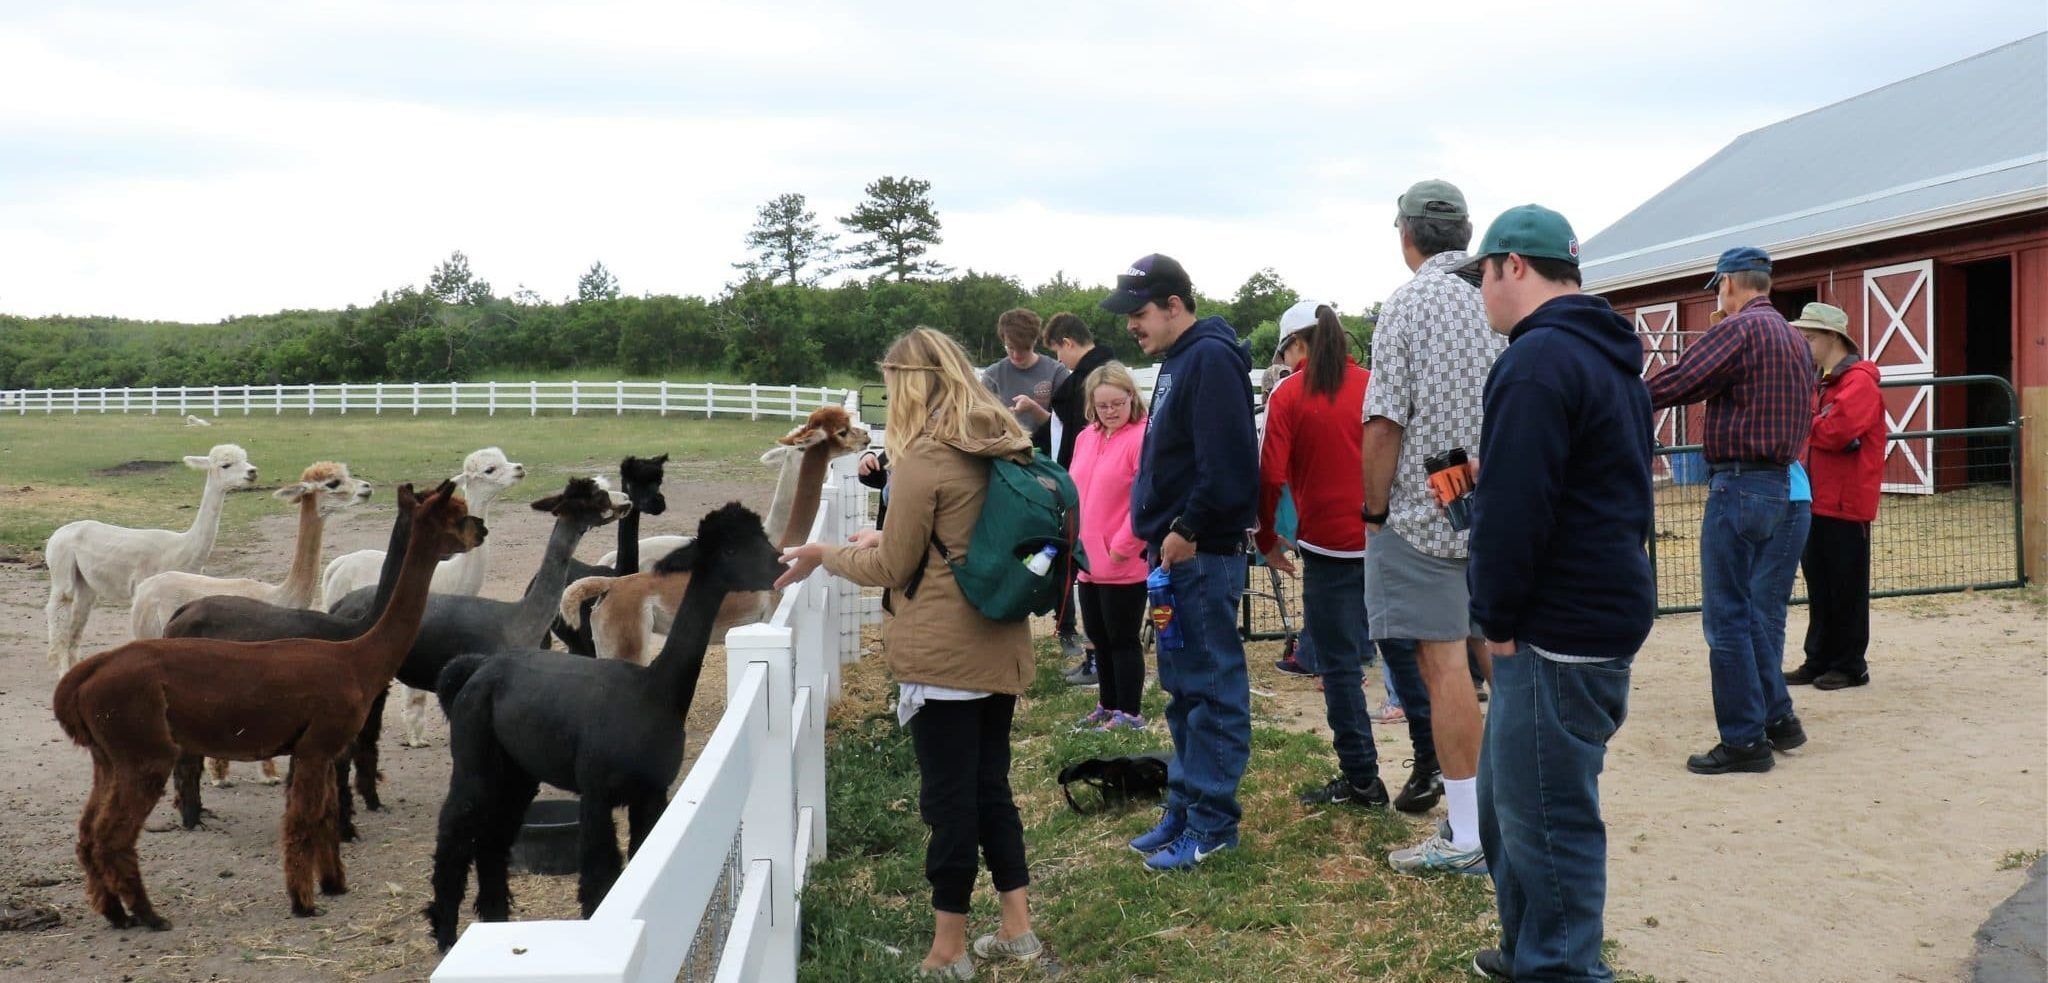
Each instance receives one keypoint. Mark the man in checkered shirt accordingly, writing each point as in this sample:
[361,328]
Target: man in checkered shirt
[1431,352]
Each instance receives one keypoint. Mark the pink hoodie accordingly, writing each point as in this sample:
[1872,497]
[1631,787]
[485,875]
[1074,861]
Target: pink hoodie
[1103,469]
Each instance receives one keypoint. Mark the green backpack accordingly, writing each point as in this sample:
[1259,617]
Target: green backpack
[1029,507]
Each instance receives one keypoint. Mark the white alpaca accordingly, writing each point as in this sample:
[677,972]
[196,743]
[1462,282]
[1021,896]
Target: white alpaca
[485,475]
[90,560]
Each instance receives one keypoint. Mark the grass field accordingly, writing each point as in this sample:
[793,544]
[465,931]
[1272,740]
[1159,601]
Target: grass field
[47,463]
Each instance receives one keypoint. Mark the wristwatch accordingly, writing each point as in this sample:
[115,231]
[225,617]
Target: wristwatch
[1374,518]
[1181,528]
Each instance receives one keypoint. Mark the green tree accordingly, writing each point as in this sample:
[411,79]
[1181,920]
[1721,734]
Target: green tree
[768,329]
[787,243]
[453,282]
[1262,297]
[597,283]
[976,300]
[900,226]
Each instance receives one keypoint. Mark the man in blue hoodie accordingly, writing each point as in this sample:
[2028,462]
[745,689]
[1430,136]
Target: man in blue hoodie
[1194,499]
[1561,587]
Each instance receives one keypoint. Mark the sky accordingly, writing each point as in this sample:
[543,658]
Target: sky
[195,161]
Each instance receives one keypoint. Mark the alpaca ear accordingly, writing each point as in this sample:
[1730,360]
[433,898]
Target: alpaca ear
[198,463]
[659,461]
[805,438]
[446,488]
[682,559]
[548,504]
[405,497]
[292,493]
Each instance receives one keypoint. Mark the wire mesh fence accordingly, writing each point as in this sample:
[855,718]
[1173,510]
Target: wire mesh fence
[701,965]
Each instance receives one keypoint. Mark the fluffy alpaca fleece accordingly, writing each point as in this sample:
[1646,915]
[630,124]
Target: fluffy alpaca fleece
[642,479]
[627,608]
[91,560]
[485,475]
[609,731]
[139,707]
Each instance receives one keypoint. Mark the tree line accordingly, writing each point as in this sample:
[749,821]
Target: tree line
[779,324]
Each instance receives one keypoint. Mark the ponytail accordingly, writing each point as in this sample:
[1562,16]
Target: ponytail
[1328,350]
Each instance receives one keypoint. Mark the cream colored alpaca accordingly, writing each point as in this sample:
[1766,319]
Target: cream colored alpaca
[485,475]
[629,607]
[90,560]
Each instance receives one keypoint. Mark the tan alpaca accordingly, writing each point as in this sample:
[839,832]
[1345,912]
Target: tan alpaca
[630,606]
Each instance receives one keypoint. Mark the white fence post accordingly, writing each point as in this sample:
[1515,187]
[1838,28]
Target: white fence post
[753,401]
[533,397]
[415,399]
[768,824]
[619,398]
[664,397]
[573,394]
[493,398]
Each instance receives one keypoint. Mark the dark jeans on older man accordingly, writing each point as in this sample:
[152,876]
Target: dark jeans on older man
[1333,604]
[1547,728]
[1208,707]
[1750,542]
[963,765]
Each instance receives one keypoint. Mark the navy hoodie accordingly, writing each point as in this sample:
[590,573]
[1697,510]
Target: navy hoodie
[1201,457]
[1562,510]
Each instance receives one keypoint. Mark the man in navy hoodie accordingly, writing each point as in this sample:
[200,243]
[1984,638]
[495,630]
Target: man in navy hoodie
[1193,501]
[1561,587]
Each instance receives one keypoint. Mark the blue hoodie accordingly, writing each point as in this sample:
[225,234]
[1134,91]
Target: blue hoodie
[1201,457]
[1562,510]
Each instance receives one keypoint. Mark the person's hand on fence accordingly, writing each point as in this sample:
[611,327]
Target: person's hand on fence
[801,560]
[1277,557]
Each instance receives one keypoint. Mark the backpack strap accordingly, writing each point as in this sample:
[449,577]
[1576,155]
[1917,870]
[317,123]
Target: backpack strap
[917,577]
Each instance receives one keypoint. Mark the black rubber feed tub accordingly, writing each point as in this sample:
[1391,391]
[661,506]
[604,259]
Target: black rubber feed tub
[548,839]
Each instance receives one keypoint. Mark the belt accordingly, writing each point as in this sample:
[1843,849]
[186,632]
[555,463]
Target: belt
[1718,467]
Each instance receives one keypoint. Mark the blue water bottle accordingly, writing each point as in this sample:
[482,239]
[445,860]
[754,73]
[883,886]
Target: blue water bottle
[1166,628]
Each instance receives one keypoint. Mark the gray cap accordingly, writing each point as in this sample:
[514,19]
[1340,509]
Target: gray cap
[1432,199]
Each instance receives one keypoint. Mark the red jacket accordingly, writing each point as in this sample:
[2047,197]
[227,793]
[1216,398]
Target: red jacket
[1312,448]
[1845,453]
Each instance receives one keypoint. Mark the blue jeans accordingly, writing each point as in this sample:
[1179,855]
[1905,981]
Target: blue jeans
[1750,543]
[1547,727]
[1333,601]
[1208,710]
[1404,680]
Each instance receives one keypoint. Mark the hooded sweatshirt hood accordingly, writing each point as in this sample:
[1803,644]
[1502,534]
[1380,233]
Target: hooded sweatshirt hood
[1591,320]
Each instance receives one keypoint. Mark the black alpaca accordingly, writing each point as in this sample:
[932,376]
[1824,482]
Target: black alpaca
[608,730]
[642,477]
[244,619]
[455,624]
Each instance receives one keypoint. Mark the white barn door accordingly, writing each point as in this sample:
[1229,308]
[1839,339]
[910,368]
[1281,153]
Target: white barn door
[1898,335]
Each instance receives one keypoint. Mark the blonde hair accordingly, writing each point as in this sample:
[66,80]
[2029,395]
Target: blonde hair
[1113,374]
[934,389]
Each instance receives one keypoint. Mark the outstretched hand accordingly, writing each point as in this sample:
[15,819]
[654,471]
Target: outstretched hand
[800,560]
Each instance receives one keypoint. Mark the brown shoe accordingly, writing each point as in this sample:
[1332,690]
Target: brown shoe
[1837,679]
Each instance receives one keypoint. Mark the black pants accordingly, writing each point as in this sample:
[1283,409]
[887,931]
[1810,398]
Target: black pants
[1113,615]
[1837,566]
[963,762]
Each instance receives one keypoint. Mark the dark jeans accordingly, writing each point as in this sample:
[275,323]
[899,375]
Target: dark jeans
[963,764]
[1113,615]
[1547,727]
[1333,605]
[1404,670]
[1208,710]
[1837,565]
[1750,541]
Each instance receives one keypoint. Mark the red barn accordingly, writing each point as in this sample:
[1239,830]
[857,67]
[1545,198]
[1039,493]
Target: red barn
[1921,209]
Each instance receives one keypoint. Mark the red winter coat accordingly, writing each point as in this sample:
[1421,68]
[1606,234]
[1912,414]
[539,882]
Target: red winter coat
[1845,453]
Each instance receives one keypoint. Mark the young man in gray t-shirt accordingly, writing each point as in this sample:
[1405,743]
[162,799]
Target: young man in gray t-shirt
[1023,373]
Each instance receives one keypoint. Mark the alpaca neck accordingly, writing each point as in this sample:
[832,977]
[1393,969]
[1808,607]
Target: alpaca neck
[536,610]
[298,586]
[382,649]
[394,561]
[628,558]
[810,485]
[787,480]
[469,568]
[675,671]
[196,544]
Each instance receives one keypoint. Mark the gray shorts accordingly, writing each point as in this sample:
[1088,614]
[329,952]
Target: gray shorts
[1412,594]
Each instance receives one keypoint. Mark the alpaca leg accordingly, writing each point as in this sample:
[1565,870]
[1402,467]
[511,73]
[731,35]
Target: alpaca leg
[327,843]
[68,611]
[300,839]
[185,789]
[600,837]
[270,776]
[413,715]
[99,890]
[365,756]
[454,849]
[500,828]
[217,769]
[345,804]
[117,827]
[641,815]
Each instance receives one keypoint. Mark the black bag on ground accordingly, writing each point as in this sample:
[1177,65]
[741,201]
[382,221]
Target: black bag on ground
[1119,780]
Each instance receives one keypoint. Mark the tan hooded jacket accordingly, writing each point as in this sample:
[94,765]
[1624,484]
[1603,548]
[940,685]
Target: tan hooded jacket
[937,637]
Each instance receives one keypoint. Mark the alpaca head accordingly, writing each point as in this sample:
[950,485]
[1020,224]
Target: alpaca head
[226,465]
[487,473]
[332,485]
[444,518]
[731,548]
[831,427]
[642,476]
[587,502]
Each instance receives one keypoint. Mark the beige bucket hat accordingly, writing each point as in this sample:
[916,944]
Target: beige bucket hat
[1826,317]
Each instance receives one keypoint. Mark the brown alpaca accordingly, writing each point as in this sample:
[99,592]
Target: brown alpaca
[629,606]
[137,708]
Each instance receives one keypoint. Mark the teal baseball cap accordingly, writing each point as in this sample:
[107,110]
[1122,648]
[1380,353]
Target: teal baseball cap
[1529,231]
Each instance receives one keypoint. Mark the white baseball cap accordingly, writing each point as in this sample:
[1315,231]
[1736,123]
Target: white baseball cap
[1301,315]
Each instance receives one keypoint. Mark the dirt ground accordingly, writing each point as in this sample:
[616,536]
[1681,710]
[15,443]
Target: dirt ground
[222,886]
[1871,854]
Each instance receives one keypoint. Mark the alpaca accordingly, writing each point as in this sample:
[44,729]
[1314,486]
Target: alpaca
[243,619]
[138,707]
[642,478]
[609,731]
[456,624]
[626,608]
[90,560]
[485,476]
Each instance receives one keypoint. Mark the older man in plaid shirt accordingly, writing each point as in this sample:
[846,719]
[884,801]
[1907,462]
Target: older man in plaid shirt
[1756,375]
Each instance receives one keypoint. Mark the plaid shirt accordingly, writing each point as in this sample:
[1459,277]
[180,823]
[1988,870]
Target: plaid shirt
[1756,374]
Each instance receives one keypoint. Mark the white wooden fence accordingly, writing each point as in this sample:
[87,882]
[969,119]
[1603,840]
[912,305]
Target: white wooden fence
[760,778]
[704,399]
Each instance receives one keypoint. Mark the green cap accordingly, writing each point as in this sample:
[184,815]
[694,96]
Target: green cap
[1432,199]
[1529,231]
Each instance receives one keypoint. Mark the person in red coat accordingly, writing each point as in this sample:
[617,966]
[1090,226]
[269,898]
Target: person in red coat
[1845,460]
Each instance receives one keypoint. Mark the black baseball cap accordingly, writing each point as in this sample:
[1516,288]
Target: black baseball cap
[1154,277]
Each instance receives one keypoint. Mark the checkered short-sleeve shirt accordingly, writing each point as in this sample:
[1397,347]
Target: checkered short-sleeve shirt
[1431,352]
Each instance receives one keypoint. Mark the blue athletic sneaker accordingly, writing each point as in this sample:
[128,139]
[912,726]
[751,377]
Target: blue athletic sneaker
[1187,851]
[1162,836]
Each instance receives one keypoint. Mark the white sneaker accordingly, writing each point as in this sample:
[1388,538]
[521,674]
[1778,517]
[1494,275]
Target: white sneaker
[1436,855]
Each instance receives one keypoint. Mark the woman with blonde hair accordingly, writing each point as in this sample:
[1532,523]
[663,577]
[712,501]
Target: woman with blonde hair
[1113,592]
[959,674]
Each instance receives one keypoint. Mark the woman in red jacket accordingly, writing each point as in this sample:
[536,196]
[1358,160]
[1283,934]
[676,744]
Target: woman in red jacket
[1845,459]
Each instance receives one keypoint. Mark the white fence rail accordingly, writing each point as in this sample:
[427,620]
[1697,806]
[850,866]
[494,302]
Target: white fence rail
[703,399]
[760,779]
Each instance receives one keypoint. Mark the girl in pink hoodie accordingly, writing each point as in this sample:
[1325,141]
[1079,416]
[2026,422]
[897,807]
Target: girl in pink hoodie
[1113,592]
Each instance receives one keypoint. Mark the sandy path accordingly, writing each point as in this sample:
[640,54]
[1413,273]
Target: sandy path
[1871,854]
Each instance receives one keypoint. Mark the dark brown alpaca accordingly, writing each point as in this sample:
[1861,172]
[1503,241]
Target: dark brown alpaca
[137,708]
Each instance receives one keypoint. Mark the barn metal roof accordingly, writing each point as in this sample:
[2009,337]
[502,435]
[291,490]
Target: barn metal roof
[1963,142]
